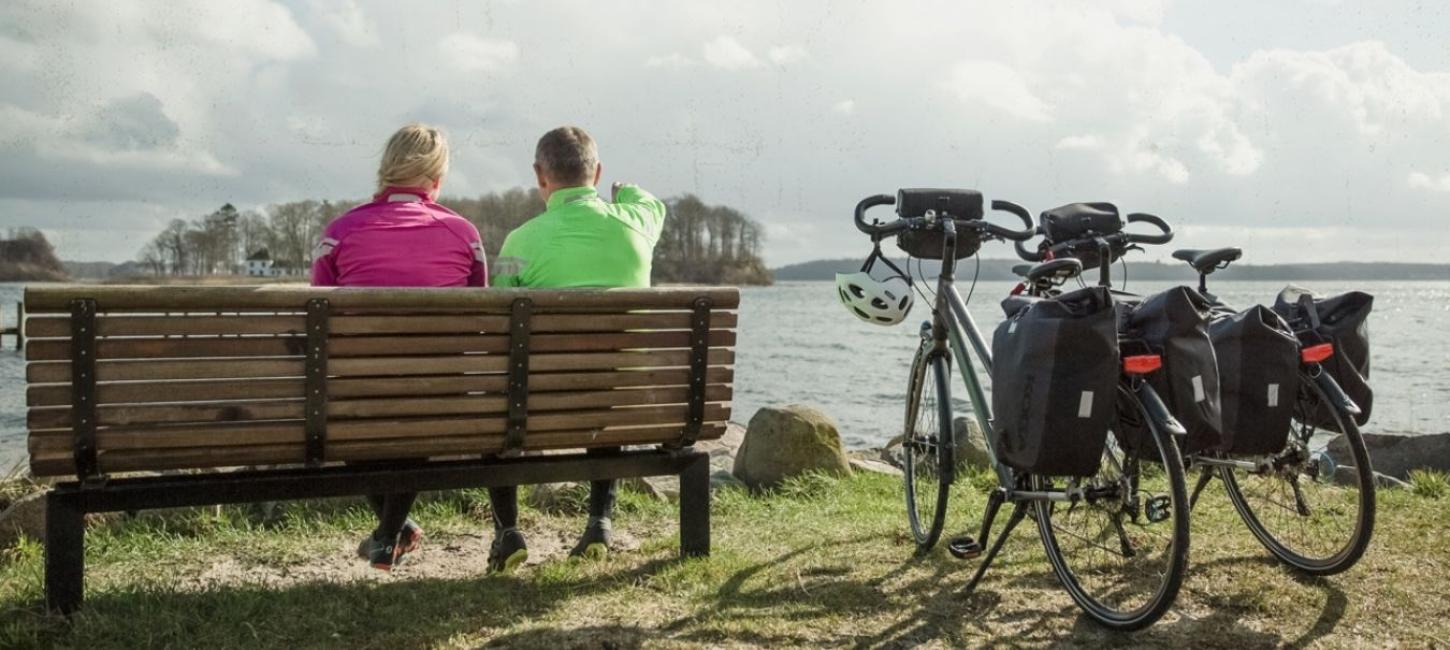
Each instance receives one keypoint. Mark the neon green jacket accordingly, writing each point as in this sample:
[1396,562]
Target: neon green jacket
[583,241]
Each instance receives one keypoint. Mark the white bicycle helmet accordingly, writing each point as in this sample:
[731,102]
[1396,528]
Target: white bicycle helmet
[879,302]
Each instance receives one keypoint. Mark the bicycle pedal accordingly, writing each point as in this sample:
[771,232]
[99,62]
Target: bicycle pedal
[1157,509]
[964,548]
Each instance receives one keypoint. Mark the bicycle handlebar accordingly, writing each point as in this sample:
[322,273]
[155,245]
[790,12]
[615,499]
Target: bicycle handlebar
[1114,241]
[910,223]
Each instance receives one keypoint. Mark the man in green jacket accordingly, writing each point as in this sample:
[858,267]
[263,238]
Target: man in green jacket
[580,240]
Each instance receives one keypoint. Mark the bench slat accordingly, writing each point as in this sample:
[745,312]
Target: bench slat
[172,348]
[207,390]
[59,463]
[39,299]
[143,370]
[107,325]
[133,415]
[419,429]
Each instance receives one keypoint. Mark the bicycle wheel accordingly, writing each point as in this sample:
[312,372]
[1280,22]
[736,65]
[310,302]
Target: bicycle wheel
[927,440]
[1119,544]
[1312,515]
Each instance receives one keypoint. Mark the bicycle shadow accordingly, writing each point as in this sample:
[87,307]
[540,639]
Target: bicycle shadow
[1224,621]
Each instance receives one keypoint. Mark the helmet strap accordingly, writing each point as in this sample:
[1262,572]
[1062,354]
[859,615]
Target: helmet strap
[877,255]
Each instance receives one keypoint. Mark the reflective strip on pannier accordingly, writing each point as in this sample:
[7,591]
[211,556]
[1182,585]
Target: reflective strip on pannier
[1174,323]
[1055,373]
[1344,321]
[1258,366]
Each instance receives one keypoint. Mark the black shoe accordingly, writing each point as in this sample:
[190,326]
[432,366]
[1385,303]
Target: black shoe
[594,543]
[507,552]
[382,555]
[409,540]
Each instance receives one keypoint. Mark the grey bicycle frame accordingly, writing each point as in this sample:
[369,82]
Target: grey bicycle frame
[960,329]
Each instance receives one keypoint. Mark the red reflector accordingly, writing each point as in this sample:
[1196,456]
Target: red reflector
[1317,353]
[1142,364]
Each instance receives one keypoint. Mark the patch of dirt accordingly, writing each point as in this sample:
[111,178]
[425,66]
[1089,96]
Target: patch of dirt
[442,555]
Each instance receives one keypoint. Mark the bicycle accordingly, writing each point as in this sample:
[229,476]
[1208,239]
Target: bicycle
[1297,501]
[1118,540]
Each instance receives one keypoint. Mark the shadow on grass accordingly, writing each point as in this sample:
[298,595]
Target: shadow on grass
[414,612]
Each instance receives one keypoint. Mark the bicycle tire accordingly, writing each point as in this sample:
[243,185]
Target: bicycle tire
[929,465]
[1354,547]
[1174,558]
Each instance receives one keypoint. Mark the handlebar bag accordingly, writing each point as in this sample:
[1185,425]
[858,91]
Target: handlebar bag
[1078,220]
[1054,382]
[1174,324]
[1258,365]
[927,243]
[1344,321]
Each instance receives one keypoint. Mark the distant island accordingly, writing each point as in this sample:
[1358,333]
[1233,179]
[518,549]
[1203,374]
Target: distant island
[26,256]
[1001,269]
[700,243]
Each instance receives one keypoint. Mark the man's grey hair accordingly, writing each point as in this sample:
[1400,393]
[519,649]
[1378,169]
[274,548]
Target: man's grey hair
[567,155]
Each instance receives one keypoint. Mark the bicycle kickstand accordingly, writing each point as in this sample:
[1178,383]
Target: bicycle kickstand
[1019,512]
[1203,480]
[967,548]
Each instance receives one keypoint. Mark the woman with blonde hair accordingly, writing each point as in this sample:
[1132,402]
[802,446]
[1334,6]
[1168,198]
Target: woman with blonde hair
[402,238]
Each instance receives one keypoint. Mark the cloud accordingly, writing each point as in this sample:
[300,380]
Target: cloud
[997,86]
[117,116]
[1423,181]
[672,61]
[787,54]
[348,20]
[727,53]
[470,53]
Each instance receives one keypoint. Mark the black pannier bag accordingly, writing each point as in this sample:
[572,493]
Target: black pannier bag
[1258,369]
[1174,324]
[1344,321]
[927,244]
[1054,382]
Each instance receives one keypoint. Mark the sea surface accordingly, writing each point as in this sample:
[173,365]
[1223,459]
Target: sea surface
[797,344]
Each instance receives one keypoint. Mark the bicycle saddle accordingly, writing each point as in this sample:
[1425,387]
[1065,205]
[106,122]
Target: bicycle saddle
[1208,261]
[1058,269]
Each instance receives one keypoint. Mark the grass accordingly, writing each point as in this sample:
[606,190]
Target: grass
[820,562]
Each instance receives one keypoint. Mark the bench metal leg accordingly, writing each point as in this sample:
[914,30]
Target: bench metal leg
[65,553]
[695,508]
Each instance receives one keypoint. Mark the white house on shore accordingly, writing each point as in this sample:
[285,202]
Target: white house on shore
[259,264]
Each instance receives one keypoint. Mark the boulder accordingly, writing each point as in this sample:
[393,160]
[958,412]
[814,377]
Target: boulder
[557,498]
[971,447]
[1395,454]
[24,518]
[786,441]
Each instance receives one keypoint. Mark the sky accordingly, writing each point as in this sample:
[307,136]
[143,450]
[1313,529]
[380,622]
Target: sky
[1301,130]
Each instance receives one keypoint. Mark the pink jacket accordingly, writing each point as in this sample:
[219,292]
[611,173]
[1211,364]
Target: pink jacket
[401,239]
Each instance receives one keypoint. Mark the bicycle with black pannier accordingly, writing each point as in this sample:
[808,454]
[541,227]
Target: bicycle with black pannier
[1113,521]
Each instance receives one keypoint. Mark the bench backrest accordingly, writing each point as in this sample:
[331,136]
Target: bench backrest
[198,377]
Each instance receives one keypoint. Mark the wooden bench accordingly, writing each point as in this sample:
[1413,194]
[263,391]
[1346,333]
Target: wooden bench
[288,385]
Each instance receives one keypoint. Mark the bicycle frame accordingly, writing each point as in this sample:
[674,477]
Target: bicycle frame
[952,322]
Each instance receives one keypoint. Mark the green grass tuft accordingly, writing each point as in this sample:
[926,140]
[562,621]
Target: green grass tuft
[1429,483]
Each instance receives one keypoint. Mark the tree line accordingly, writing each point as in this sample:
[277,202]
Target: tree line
[700,243]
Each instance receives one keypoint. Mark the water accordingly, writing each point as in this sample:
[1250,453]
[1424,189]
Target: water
[796,344]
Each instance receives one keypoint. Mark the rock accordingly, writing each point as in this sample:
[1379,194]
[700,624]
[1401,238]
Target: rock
[558,498]
[664,488]
[1395,454]
[786,441]
[24,518]
[971,447]
[877,466]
